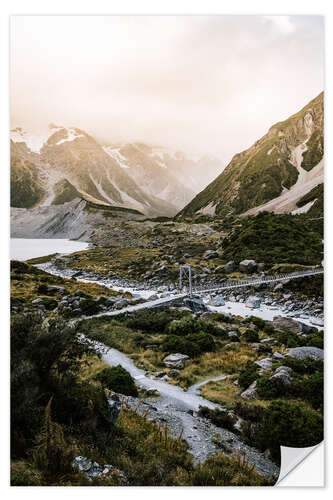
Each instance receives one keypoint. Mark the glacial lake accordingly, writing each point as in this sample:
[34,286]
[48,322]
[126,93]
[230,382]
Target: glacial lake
[24,249]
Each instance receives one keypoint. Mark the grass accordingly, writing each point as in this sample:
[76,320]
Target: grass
[225,393]
[25,283]
[41,260]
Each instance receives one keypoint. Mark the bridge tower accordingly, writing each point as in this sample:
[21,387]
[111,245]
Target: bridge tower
[185,272]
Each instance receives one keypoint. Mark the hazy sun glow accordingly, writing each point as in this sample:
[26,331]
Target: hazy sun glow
[202,84]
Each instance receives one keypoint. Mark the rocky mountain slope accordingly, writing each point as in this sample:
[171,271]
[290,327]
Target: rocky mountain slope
[76,219]
[69,163]
[274,173]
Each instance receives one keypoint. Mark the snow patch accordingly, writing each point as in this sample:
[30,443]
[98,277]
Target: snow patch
[71,136]
[305,208]
[33,142]
[116,155]
[208,210]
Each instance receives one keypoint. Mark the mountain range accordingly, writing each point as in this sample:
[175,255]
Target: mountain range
[69,164]
[283,172]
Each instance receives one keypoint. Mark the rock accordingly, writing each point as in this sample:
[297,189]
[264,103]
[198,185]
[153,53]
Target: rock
[210,254]
[174,373]
[265,364]
[229,267]
[37,301]
[247,266]
[153,347]
[284,369]
[120,303]
[253,302]
[176,360]
[267,341]
[278,356]
[219,301]
[92,469]
[278,287]
[233,336]
[159,374]
[115,406]
[304,352]
[282,377]
[110,301]
[287,324]
[251,392]
[260,267]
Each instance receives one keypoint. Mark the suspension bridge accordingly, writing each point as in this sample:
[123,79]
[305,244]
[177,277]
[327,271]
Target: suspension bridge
[187,289]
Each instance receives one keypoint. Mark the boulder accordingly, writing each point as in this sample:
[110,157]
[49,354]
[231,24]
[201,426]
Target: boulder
[282,376]
[219,301]
[115,406]
[210,254]
[253,302]
[247,266]
[282,324]
[304,352]
[251,392]
[278,356]
[229,267]
[284,369]
[176,360]
[92,469]
[265,364]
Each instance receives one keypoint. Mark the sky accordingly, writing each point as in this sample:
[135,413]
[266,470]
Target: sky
[206,85]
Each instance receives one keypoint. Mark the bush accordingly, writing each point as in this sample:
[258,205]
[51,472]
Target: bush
[192,345]
[304,366]
[288,424]
[249,375]
[89,307]
[289,339]
[183,326]
[267,389]
[218,417]
[310,389]
[251,336]
[254,413]
[260,323]
[149,322]
[117,379]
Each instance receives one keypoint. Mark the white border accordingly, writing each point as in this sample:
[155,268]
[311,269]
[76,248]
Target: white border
[141,7]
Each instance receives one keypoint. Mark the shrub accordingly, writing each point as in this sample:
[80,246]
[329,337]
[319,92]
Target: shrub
[218,417]
[251,336]
[267,389]
[289,339]
[254,413]
[89,306]
[149,322]
[260,323]
[247,376]
[303,366]
[310,389]
[183,326]
[117,379]
[288,424]
[192,345]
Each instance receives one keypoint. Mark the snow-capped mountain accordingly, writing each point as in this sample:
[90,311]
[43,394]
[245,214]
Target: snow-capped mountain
[65,163]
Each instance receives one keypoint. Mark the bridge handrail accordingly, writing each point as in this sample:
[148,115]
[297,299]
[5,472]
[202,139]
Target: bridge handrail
[229,284]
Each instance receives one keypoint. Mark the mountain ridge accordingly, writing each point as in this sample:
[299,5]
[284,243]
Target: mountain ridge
[270,166]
